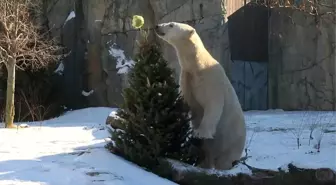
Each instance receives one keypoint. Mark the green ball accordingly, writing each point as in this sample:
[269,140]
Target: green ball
[137,21]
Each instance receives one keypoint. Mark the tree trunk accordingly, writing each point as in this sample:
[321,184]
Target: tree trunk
[9,114]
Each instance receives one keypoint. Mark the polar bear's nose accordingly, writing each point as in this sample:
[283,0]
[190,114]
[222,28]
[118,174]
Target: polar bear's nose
[157,28]
[158,31]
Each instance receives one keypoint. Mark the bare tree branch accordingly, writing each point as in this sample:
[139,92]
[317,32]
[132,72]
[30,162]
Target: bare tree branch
[22,36]
[309,6]
[24,44]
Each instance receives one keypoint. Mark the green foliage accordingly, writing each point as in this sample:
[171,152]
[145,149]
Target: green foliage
[153,122]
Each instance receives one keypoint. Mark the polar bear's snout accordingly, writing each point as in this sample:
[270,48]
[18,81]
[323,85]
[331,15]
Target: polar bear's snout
[158,30]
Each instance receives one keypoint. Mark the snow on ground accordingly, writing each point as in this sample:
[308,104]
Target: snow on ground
[64,151]
[272,139]
[70,149]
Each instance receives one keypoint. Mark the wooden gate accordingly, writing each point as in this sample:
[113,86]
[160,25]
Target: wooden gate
[249,80]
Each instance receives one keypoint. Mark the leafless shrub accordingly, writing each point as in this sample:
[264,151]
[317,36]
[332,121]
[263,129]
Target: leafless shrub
[314,121]
[313,7]
[37,111]
[24,44]
[300,126]
[323,125]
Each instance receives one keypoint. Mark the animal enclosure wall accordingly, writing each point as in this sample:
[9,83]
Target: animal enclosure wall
[302,61]
[99,25]
[298,63]
[233,5]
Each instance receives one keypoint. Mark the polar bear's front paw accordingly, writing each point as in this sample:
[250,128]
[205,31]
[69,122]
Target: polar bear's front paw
[203,133]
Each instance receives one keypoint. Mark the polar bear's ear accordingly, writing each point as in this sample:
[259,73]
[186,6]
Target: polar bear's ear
[191,32]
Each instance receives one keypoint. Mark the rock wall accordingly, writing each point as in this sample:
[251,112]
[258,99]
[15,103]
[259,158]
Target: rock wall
[301,64]
[302,61]
[99,25]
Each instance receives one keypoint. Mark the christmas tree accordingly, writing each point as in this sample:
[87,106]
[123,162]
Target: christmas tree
[153,122]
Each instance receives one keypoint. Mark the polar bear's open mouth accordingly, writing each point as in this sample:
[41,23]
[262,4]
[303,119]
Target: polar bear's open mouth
[158,31]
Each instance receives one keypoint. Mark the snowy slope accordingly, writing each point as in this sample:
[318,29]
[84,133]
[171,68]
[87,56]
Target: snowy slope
[70,149]
[65,151]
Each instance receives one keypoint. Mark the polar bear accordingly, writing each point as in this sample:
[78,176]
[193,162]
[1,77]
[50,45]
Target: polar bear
[218,118]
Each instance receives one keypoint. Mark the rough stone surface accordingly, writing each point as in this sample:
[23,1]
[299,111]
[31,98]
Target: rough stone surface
[99,24]
[109,22]
[302,61]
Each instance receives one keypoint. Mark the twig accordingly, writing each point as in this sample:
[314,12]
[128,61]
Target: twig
[300,127]
[323,127]
[314,121]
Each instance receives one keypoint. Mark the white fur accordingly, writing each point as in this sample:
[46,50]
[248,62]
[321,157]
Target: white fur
[217,114]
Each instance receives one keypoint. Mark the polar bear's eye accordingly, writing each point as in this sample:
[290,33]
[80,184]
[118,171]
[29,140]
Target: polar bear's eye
[171,25]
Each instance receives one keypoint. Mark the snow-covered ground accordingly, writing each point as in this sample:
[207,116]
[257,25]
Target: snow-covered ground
[70,149]
[272,139]
[65,151]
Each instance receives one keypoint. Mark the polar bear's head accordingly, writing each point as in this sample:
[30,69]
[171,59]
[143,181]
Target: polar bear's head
[173,32]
